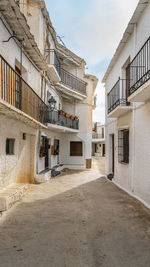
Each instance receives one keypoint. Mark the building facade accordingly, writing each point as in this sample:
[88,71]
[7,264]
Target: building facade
[128,107]
[98,139]
[46,98]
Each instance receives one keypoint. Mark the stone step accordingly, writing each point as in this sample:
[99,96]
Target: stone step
[43,177]
[55,173]
[11,194]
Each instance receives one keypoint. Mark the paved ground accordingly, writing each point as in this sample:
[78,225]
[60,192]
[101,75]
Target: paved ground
[76,220]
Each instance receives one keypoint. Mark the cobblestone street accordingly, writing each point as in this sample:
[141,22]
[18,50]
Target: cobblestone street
[78,219]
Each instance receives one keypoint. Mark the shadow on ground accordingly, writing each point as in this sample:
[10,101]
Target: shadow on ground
[95,224]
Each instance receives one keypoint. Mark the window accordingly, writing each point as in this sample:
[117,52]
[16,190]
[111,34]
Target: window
[76,149]
[123,146]
[56,147]
[10,143]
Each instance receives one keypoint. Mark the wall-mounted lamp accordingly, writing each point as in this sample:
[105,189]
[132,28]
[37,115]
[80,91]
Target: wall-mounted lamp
[52,103]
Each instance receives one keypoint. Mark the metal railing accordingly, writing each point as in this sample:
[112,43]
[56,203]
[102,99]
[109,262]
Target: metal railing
[95,100]
[54,60]
[15,91]
[72,82]
[97,136]
[55,118]
[139,68]
[117,96]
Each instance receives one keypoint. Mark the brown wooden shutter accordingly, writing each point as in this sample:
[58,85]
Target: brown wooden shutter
[76,149]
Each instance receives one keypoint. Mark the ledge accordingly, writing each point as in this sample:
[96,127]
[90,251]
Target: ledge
[53,74]
[58,128]
[17,114]
[98,140]
[11,194]
[119,111]
[68,91]
[142,94]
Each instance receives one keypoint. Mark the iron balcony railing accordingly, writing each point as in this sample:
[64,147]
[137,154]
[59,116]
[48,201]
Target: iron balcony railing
[118,95]
[72,82]
[67,78]
[54,60]
[97,136]
[95,100]
[139,68]
[15,91]
[55,118]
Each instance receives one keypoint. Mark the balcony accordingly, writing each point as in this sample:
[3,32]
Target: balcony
[94,102]
[61,120]
[117,100]
[18,99]
[54,66]
[71,85]
[97,136]
[139,69]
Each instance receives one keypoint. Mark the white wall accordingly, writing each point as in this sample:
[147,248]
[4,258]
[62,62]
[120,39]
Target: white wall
[10,51]
[134,176]
[71,161]
[15,167]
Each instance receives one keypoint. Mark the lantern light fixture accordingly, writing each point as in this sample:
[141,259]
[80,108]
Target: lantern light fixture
[52,103]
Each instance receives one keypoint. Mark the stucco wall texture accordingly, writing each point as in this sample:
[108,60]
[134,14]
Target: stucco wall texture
[135,176]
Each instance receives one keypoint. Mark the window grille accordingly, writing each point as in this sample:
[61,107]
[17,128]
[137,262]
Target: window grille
[10,143]
[123,146]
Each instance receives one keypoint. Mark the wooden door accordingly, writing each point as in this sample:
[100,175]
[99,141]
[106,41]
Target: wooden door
[127,81]
[102,132]
[46,152]
[113,154]
[103,150]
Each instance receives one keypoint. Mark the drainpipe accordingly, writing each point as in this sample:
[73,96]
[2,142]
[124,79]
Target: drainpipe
[21,47]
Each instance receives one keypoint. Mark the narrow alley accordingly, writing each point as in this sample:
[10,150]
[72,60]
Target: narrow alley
[78,219]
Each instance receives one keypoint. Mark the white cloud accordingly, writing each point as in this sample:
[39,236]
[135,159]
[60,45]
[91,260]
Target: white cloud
[93,29]
[100,28]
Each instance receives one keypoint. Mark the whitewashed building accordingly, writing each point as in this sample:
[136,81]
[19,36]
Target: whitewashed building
[46,99]
[127,83]
[98,139]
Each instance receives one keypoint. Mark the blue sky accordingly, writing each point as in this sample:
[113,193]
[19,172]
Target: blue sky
[92,29]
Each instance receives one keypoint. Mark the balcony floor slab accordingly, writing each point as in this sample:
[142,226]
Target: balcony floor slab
[142,94]
[53,74]
[119,111]
[68,91]
[14,113]
[58,128]
[98,140]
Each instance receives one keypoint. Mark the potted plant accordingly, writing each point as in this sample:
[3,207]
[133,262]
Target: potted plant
[60,112]
[66,115]
[76,118]
[41,152]
[72,117]
[54,122]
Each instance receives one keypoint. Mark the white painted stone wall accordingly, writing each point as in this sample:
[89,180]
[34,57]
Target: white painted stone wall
[133,177]
[12,166]
[10,51]
[15,167]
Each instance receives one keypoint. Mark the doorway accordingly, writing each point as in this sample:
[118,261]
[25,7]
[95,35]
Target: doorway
[47,153]
[103,150]
[26,159]
[127,71]
[111,153]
